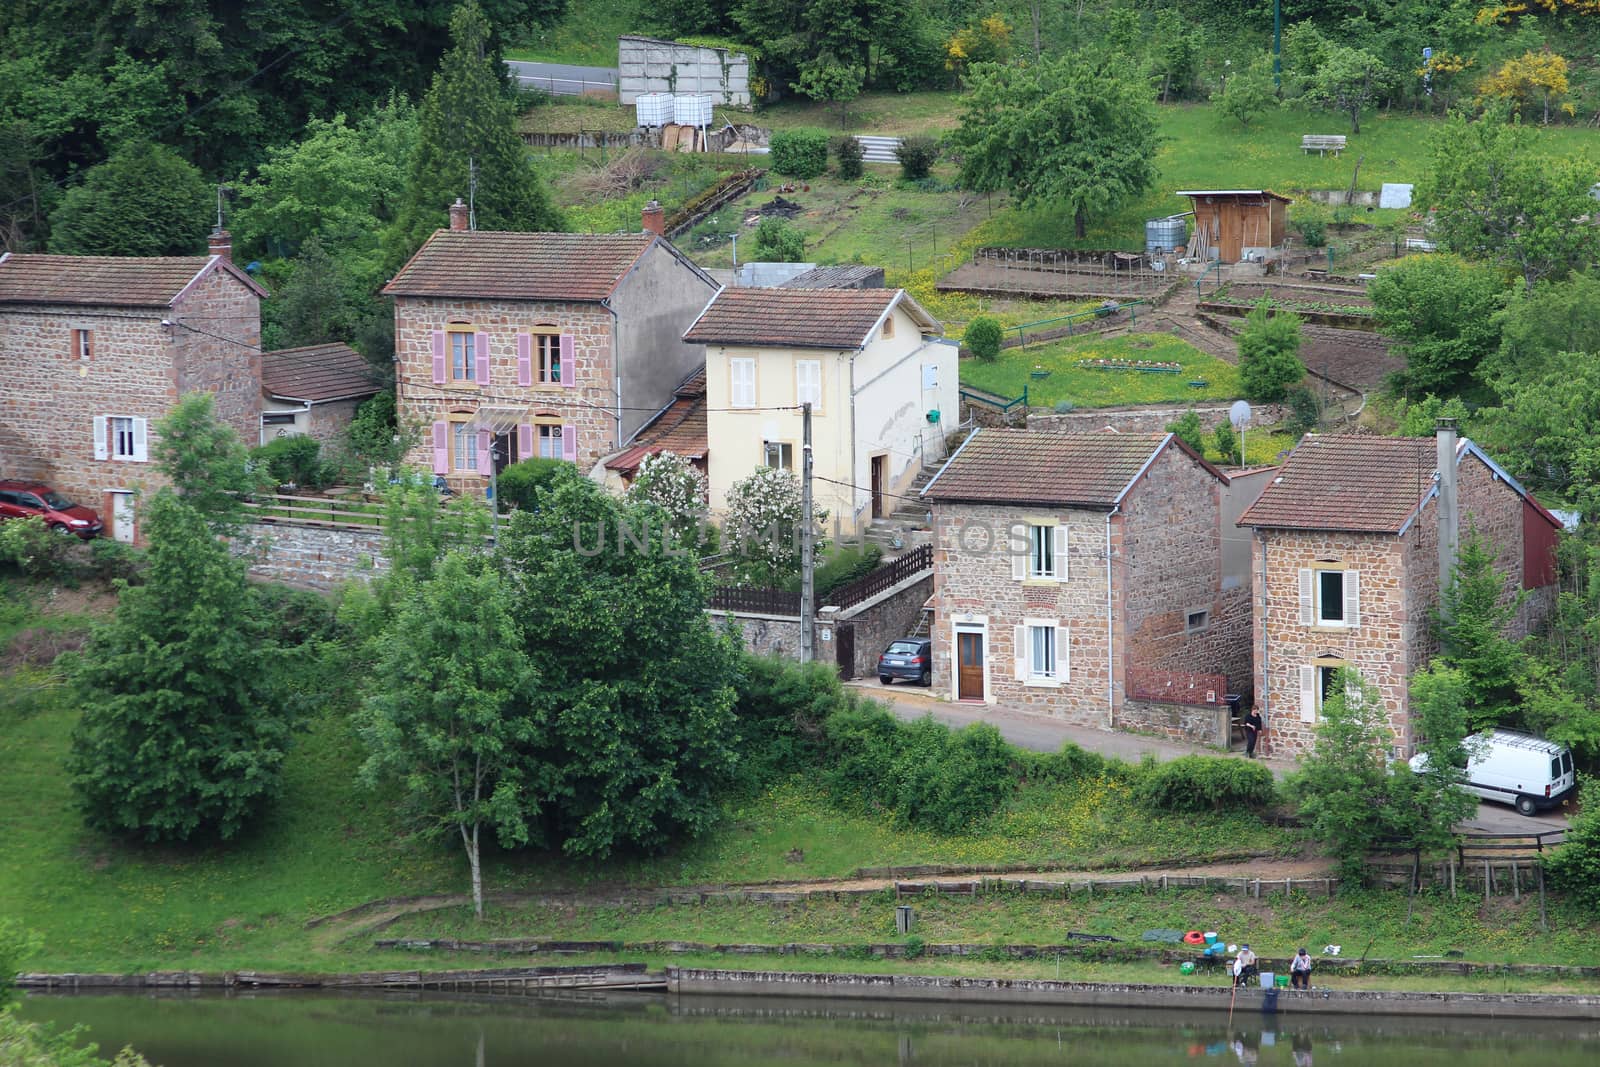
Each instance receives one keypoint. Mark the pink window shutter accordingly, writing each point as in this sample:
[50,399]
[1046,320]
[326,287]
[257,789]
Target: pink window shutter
[569,442]
[485,453]
[569,360]
[441,448]
[480,348]
[524,441]
[441,369]
[524,359]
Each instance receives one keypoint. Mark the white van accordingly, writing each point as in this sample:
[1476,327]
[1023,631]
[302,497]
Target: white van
[1519,769]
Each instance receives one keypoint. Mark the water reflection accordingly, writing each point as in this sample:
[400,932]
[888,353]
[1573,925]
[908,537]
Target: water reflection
[411,1030]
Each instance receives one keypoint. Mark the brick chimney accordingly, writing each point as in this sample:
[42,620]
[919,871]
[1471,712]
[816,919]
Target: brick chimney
[458,215]
[220,243]
[655,220]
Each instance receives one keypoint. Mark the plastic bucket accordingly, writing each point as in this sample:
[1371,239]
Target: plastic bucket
[1211,937]
[1266,979]
[1281,981]
[1186,968]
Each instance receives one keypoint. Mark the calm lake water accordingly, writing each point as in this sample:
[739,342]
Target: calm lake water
[292,1030]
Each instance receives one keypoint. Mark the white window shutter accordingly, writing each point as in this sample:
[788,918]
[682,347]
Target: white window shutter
[1307,607]
[101,448]
[1352,598]
[1060,547]
[141,440]
[1020,553]
[1063,654]
[1020,642]
[1308,694]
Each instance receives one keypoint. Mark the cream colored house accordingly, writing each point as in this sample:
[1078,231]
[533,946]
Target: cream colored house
[880,378]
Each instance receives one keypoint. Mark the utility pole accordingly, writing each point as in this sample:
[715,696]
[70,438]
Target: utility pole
[808,608]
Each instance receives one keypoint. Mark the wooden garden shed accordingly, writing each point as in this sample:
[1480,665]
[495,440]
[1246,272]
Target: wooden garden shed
[1228,223]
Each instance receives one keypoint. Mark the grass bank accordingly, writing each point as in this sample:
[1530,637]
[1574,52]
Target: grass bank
[585,35]
[1107,372]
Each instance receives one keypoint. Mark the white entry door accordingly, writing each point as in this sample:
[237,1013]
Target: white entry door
[122,517]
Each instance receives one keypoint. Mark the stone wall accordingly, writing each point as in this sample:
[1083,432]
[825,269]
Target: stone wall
[318,557]
[1194,724]
[328,422]
[881,620]
[1149,420]
[648,65]
[225,359]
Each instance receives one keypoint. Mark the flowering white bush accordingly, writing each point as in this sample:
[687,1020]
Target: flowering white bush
[763,525]
[669,481]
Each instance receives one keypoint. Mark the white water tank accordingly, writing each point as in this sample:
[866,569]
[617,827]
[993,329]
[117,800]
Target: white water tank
[654,109]
[691,110]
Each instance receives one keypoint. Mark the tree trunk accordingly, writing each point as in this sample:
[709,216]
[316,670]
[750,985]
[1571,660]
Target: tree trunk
[1038,14]
[470,840]
[1080,223]
[1355,120]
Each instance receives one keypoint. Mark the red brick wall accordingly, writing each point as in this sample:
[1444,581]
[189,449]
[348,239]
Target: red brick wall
[589,406]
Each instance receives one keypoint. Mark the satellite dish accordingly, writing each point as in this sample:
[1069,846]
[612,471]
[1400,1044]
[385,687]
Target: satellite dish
[1239,413]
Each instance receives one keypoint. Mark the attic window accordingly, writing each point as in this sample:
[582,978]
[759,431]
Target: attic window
[888,326]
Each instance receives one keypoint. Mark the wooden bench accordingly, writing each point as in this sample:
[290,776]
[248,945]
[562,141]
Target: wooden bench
[1322,143]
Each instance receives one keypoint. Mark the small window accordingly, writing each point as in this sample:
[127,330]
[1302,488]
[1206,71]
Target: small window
[1041,552]
[547,355]
[778,455]
[1330,598]
[1042,652]
[462,355]
[1325,679]
[464,442]
[888,326]
[122,444]
[277,418]
[83,345]
[549,441]
[1197,620]
[742,383]
[1555,768]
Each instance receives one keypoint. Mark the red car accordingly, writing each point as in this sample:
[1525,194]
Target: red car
[18,500]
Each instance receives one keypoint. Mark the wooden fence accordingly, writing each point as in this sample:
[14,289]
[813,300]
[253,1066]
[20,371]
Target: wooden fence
[352,511]
[754,600]
[758,601]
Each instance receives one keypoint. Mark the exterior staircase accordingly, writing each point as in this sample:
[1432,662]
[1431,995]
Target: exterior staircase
[906,526]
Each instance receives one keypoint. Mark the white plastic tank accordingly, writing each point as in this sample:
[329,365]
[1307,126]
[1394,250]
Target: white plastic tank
[691,110]
[1163,235]
[654,109]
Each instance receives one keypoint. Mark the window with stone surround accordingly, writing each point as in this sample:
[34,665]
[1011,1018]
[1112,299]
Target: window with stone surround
[1317,680]
[1039,552]
[1041,652]
[547,356]
[463,353]
[1330,596]
[463,445]
[123,438]
[1197,620]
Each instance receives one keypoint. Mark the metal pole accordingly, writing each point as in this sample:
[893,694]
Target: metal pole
[494,490]
[1277,45]
[807,562]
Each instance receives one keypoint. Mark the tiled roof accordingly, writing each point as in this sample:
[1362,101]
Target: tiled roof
[1026,466]
[106,281]
[1348,482]
[681,428]
[849,277]
[496,265]
[317,373]
[797,318]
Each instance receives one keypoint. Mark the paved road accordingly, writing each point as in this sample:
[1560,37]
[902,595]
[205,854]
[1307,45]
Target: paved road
[1040,734]
[563,79]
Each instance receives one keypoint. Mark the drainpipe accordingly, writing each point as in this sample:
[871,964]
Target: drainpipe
[1111,658]
[1449,520]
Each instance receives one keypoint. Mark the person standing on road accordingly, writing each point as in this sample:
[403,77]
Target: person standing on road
[1252,732]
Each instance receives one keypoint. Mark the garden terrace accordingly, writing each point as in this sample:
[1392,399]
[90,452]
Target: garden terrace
[1159,369]
[1061,273]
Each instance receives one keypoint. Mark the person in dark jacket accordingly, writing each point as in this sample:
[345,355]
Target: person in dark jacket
[1252,732]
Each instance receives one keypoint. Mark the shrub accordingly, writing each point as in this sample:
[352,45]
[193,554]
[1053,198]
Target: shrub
[1068,766]
[521,484]
[1269,353]
[38,551]
[114,560]
[293,460]
[1305,410]
[1227,443]
[847,150]
[1205,783]
[917,155]
[967,779]
[846,565]
[1575,867]
[1310,221]
[780,707]
[1189,431]
[799,153]
[778,241]
[983,337]
[863,742]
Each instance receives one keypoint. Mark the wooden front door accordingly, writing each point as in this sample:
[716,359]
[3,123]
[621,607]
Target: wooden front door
[845,649]
[878,478]
[969,671]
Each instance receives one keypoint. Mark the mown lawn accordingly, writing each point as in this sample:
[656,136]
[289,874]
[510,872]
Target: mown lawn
[586,35]
[1086,387]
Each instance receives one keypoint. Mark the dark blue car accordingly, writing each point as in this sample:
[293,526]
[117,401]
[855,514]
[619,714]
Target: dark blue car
[910,658]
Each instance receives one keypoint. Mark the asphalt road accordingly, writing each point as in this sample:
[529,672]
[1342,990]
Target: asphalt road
[1040,734]
[563,79]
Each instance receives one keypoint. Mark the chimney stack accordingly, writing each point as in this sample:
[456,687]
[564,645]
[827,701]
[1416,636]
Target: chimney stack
[220,243]
[1449,511]
[654,219]
[458,215]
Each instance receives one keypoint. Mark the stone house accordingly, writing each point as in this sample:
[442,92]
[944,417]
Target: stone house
[872,363]
[1082,576]
[1347,567]
[313,390]
[562,345]
[95,349]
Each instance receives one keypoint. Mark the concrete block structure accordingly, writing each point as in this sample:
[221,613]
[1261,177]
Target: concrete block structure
[651,65]
[560,345]
[95,350]
[1082,576]
[1346,569]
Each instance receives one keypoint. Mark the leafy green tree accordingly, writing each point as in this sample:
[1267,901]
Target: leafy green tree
[1493,195]
[143,201]
[469,116]
[916,156]
[1423,807]
[184,728]
[1269,353]
[1547,429]
[762,526]
[1349,81]
[778,241]
[205,460]
[1575,866]
[983,337]
[827,79]
[848,151]
[634,705]
[1248,93]
[1227,442]
[376,436]
[1078,132]
[1443,313]
[1421,417]
[1555,317]
[310,308]
[1475,618]
[1189,431]
[1340,788]
[447,718]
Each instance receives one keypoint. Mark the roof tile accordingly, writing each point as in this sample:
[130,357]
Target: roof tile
[317,373]
[798,318]
[1026,466]
[1353,482]
[496,265]
[115,281]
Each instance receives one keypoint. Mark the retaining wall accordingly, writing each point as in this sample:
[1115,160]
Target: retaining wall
[649,65]
[320,557]
[1151,420]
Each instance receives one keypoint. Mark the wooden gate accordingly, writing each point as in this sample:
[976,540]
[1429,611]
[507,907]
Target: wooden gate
[844,643]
